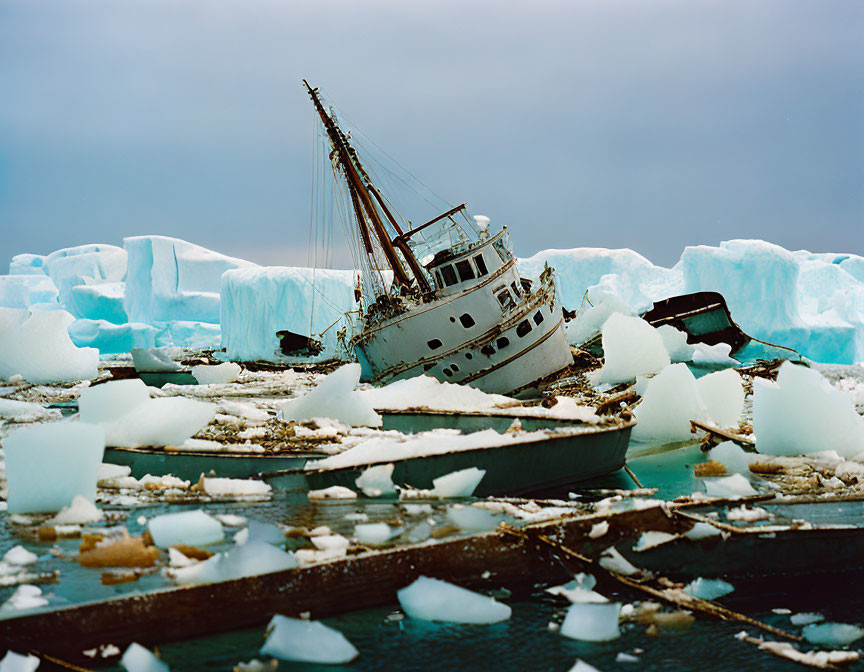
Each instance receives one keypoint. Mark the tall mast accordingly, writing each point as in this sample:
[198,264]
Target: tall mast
[364,208]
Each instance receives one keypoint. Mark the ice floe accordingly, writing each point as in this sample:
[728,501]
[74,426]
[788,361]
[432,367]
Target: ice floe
[193,528]
[592,622]
[307,642]
[435,600]
[250,559]
[376,481]
[708,589]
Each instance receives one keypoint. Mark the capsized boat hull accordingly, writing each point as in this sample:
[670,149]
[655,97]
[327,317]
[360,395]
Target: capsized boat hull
[512,469]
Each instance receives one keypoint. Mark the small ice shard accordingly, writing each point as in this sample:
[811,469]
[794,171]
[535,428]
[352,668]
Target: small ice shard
[372,534]
[612,560]
[236,487]
[733,457]
[15,662]
[335,397]
[192,528]
[802,413]
[653,539]
[592,622]
[806,618]
[377,481]
[249,559]
[747,515]
[329,542]
[167,421]
[582,666]
[333,492]
[138,659]
[19,556]
[632,347]
[25,597]
[435,600]
[723,395]
[626,658]
[48,465]
[579,590]
[472,519]
[728,487]
[708,589]
[36,345]
[80,511]
[307,642]
[218,374]
[105,403]
[599,529]
[701,531]
[256,665]
[156,359]
[781,610]
[670,401]
[832,634]
[676,343]
[460,483]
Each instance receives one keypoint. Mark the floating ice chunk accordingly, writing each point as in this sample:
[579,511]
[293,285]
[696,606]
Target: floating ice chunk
[460,483]
[701,531]
[592,622]
[334,397]
[112,400]
[266,532]
[435,600]
[832,634]
[676,343]
[612,560]
[652,539]
[329,542]
[731,487]
[733,457]
[15,662]
[803,413]
[24,411]
[231,519]
[25,597]
[599,529]
[377,480]
[138,659]
[178,560]
[671,400]
[373,534]
[582,666]
[333,492]
[723,395]
[236,487]
[307,642]
[470,518]
[192,528]
[80,511]
[590,318]
[250,559]
[631,347]
[47,465]
[36,345]
[227,372]
[19,556]
[108,471]
[156,359]
[167,421]
[806,618]
[708,589]
[749,515]
[579,591]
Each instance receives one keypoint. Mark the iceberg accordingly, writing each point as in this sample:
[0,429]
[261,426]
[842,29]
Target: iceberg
[590,318]
[631,347]
[335,397]
[192,528]
[676,343]
[435,600]
[48,465]
[84,264]
[138,659]
[723,395]
[111,338]
[670,401]
[23,291]
[307,642]
[802,413]
[112,400]
[28,264]
[592,621]
[98,301]
[257,303]
[169,279]
[37,346]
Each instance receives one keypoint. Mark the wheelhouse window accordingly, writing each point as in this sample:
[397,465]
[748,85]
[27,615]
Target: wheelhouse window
[501,248]
[466,320]
[505,299]
[480,262]
[466,272]
[523,329]
[449,275]
[515,289]
[438,278]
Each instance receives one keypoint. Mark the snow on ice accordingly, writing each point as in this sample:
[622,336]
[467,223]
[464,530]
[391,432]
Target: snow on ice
[435,600]
[307,642]
[48,465]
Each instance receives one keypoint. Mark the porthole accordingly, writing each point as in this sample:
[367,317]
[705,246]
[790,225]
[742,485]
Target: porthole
[428,366]
[523,329]
[448,373]
[502,342]
[466,320]
[434,344]
[455,367]
[538,317]
[468,355]
[487,350]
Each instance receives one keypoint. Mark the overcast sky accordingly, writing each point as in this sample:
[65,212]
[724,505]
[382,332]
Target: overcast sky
[610,123]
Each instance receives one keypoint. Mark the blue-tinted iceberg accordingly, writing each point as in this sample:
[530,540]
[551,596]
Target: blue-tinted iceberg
[306,642]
